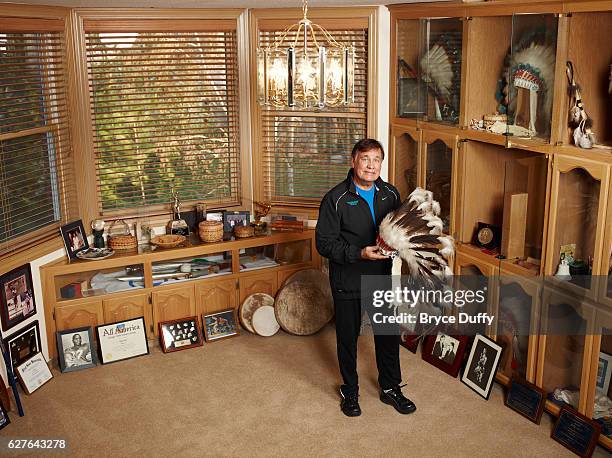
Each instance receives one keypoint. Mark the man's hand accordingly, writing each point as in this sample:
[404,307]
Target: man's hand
[372,253]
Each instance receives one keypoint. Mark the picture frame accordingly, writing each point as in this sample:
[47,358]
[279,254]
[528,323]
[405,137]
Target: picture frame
[4,417]
[215,215]
[17,292]
[122,340]
[445,351]
[525,398]
[481,367]
[410,339]
[34,373]
[176,335]
[23,344]
[75,238]
[576,432]
[604,372]
[235,218]
[220,325]
[76,349]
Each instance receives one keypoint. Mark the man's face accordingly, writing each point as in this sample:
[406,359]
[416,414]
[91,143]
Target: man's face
[367,164]
[76,339]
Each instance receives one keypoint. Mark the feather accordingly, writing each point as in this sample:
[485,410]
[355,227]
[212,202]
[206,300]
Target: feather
[438,70]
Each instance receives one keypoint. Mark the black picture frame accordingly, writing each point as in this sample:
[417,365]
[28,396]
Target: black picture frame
[128,336]
[4,417]
[481,367]
[576,432]
[525,398]
[235,218]
[23,344]
[74,359]
[176,335]
[74,237]
[17,292]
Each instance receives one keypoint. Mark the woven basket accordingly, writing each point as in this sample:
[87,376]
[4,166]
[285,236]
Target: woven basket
[242,232]
[125,241]
[168,241]
[211,231]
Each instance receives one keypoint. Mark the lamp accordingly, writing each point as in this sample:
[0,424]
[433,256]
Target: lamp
[311,75]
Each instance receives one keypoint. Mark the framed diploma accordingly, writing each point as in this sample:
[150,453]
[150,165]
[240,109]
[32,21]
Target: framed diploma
[122,340]
[34,373]
[576,432]
[526,399]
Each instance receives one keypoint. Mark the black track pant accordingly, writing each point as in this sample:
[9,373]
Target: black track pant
[348,322]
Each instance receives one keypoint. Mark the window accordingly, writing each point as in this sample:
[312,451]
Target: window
[164,108]
[305,153]
[36,179]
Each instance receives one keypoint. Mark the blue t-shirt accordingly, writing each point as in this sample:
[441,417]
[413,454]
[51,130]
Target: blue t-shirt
[368,195]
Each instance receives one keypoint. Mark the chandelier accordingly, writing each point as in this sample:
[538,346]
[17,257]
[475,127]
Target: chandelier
[312,75]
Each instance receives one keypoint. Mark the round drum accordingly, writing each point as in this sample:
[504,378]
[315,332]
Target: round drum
[264,322]
[303,307]
[250,305]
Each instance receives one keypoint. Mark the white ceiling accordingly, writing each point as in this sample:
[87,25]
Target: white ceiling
[211,3]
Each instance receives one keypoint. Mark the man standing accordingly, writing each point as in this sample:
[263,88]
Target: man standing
[346,234]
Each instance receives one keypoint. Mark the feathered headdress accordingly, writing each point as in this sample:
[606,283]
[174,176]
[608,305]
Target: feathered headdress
[413,233]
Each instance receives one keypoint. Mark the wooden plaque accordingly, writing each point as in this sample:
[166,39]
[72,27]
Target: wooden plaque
[526,399]
[576,432]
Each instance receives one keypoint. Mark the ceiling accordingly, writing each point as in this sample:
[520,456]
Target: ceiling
[211,3]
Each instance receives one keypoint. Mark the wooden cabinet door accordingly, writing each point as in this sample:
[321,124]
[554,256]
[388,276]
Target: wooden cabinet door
[128,307]
[216,295]
[172,304]
[86,313]
[265,282]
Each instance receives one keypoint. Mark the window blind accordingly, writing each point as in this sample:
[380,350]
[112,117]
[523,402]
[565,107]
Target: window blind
[164,107]
[36,171]
[305,153]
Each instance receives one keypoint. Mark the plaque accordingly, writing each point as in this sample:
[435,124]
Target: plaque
[180,334]
[526,399]
[576,432]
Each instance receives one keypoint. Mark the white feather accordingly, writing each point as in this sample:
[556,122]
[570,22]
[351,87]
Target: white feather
[437,69]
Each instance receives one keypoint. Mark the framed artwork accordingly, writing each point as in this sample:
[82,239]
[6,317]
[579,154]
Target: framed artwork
[17,296]
[445,352]
[34,373]
[180,334]
[215,216]
[75,238]
[604,371]
[220,325]
[122,340]
[235,218]
[576,432]
[23,344]
[76,349]
[483,360]
[4,418]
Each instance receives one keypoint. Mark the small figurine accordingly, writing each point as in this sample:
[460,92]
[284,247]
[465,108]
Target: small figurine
[177,225]
[97,228]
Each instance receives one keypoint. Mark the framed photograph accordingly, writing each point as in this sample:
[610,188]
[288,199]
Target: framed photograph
[76,349]
[23,344]
[220,325]
[445,352]
[75,238]
[604,371]
[214,216]
[122,340]
[483,360]
[181,334]
[34,373]
[235,218]
[17,296]
[526,398]
[576,432]
[4,418]
[410,339]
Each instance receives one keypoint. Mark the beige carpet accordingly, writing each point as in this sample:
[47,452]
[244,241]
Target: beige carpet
[270,396]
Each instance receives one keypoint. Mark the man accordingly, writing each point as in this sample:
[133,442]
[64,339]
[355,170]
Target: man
[346,234]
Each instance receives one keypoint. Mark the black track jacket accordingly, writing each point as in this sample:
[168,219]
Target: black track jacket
[345,226]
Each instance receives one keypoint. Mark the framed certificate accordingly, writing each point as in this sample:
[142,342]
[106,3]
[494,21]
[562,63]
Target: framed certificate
[122,340]
[23,344]
[34,373]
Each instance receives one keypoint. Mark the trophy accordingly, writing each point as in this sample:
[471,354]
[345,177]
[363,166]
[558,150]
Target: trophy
[261,209]
[177,225]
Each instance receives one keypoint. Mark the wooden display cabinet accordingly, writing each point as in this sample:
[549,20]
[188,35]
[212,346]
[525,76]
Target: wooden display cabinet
[405,161]
[565,343]
[406,87]
[578,211]
[241,267]
[605,277]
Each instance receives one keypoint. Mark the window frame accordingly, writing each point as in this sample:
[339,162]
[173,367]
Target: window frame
[278,19]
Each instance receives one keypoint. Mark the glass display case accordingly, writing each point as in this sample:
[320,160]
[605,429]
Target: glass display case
[191,268]
[410,100]
[599,402]
[405,160]
[280,254]
[439,175]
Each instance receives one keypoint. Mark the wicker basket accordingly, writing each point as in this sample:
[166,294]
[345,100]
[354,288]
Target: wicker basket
[124,241]
[242,232]
[211,231]
[168,241]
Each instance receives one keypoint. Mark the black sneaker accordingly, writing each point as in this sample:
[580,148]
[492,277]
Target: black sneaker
[395,398]
[350,405]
